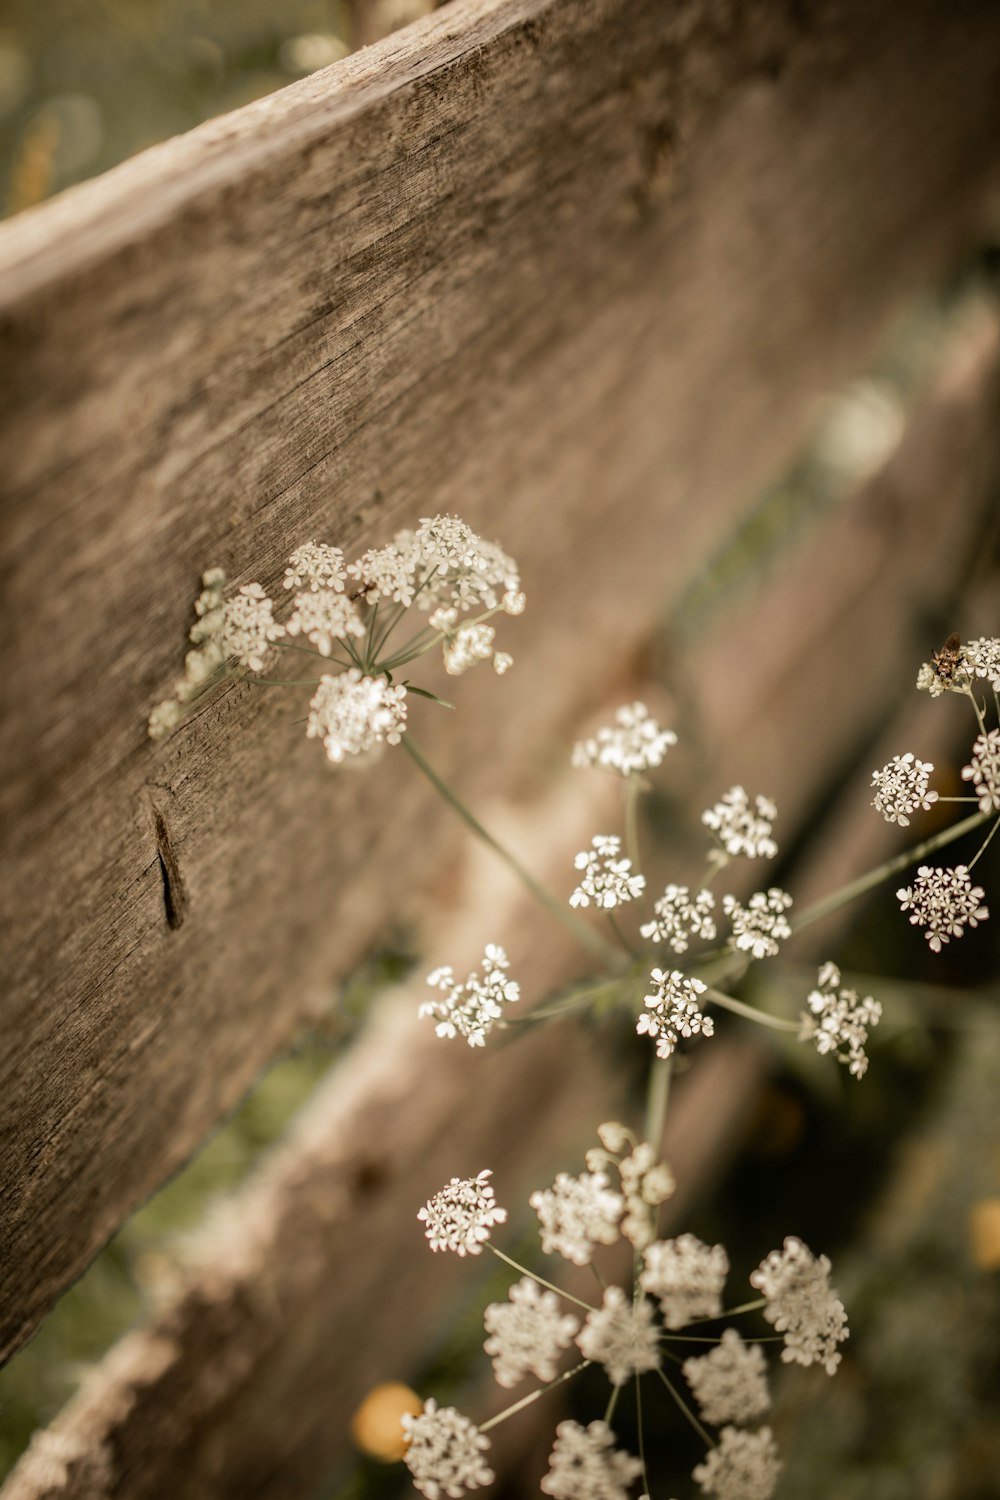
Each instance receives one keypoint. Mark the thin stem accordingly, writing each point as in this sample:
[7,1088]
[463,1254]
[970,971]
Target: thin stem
[633,789]
[731,1312]
[622,939]
[588,936]
[540,1279]
[369,636]
[976,709]
[533,1396]
[739,1008]
[576,1001]
[282,681]
[309,650]
[985,844]
[609,1410]
[657,1097]
[902,861]
[642,1446]
[687,1411]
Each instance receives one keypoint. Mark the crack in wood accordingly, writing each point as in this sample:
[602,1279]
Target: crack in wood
[174,893]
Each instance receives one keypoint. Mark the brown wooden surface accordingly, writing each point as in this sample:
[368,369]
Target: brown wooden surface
[315,1284]
[575,270]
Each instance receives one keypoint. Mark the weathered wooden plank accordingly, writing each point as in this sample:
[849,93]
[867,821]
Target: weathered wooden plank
[241,1385]
[531,260]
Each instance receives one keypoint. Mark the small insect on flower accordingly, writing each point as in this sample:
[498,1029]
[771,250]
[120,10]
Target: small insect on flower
[947,659]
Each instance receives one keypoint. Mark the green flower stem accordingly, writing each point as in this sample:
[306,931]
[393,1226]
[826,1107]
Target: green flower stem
[533,1396]
[687,1411]
[535,1277]
[588,936]
[731,1312]
[575,1001]
[639,1435]
[633,790]
[750,1011]
[891,867]
[609,1410]
[282,681]
[657,1096]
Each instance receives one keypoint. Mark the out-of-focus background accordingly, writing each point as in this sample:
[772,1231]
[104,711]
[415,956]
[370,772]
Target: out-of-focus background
[86,83]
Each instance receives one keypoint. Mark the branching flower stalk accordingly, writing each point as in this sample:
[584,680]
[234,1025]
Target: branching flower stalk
[661,965]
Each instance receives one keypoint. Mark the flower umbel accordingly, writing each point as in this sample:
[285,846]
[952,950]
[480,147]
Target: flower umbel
[802,1305]
[621,1336]
[902,788]
[461,1215]
[527,1334]
[760,926]
[445,1452]
[983,771]
[730,1383]
[471,1009]
[672,1011]
[738,830]
[679,917]
[607,880]
[745,1466]
[838,1022]
[945,902]
[634,743]
[352,714]
[686,1277]
[576,1214]
[586,1465]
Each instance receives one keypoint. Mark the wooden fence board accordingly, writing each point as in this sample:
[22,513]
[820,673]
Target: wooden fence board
[530,260]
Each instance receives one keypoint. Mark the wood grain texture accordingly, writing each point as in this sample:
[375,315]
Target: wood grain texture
[314,1284]
[576,270]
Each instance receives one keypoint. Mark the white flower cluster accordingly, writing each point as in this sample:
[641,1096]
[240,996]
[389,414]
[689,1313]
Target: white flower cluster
[444,1452]
[471,1009]
[744,1466]
[902,788]
[679,917]
[730,1383]
[983,659]
[983,771]
[443,566]
[838,1021]
[577,1214]
[585,1465]
[672,1011]
[801,1304]
[740,830]
[686,1277]
[607,879]
[461,1215]
[945,902]
[634,743]
[956,666]
[645,1182]
[622,1336]
[761,925]
[527,1333]
[352,714]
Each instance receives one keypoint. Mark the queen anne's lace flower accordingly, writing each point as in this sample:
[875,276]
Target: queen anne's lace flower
[317,565]
[461,1215]
[687,1277]
[759,927]
[838,1022]
[621,1336]
[203,661]
[470,644]
[983,657]
[352,714]
[672,1011]
[646,1182]
[634,743]
[576,1214]
[463,571]
[586,1465]
[607,880]
[445,1452]
[730,1383]
[679,917]
[745,1466]
[983,771]
[323,616]
[802,1305]
[527,1334]
[902,788]
[249,627]
[472,1009]
[737,830]
[389,572]
[945,902]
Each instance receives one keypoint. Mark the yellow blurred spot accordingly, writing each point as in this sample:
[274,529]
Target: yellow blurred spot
[984,1233]
[376,1426]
